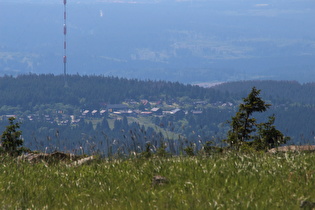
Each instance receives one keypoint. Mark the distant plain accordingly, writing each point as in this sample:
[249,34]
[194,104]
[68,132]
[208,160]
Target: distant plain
[186,41]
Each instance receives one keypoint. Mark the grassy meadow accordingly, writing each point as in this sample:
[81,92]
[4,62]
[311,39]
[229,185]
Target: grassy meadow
[222,181]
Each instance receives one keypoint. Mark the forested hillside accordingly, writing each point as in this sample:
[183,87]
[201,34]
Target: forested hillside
[26,91]
[106,114]
[276,91]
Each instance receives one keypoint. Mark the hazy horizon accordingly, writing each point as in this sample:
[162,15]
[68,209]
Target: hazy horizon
[187,41]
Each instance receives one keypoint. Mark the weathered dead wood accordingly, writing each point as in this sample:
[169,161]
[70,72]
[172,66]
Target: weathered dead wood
[159,180]
[293,148]
[56,157]
[307,205]
[82,161]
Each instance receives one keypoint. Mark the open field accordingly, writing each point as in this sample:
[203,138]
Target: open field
[223,181]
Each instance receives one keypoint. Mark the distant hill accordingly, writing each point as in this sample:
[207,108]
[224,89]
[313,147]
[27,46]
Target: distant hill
[26,91]
[189,112]
[275,91]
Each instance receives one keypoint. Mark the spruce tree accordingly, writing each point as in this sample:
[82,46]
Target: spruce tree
[11,140]
[244,126]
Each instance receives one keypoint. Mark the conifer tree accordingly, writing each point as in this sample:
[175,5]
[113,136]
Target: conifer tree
[268,136]
[244,126]
[11,140]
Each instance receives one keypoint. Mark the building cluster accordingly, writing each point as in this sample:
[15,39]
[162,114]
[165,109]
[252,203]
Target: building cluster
[130,108]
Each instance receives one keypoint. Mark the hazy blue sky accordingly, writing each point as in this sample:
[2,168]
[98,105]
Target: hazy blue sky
[188,41]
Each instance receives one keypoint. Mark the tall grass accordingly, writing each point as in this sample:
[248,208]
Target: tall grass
[222,181]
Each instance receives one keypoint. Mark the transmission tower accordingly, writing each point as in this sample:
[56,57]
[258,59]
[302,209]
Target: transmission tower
[65,42]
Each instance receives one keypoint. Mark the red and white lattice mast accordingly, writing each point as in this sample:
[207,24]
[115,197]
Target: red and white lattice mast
[65,41]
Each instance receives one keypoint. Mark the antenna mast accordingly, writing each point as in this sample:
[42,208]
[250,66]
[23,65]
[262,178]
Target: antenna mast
[65,42]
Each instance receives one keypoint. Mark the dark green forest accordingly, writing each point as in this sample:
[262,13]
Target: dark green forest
[47,108]
[279,92]
[27,91]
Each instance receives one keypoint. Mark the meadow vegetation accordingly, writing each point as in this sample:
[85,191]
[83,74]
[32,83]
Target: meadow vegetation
[220,181]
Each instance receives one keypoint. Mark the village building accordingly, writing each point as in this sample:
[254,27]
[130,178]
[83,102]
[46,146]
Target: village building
[116,107]
[157,111]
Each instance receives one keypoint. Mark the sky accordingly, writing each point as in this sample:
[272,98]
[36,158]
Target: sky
[187,41]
